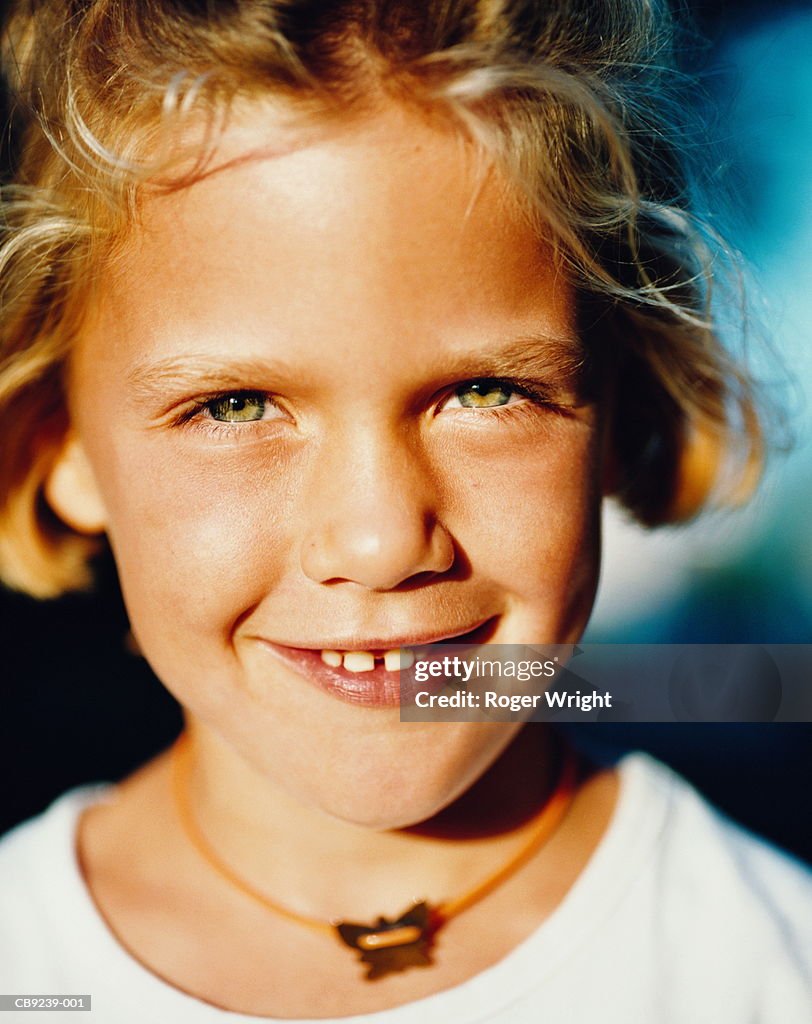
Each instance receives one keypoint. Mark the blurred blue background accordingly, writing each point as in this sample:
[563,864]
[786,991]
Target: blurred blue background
[742,576]
[745,575]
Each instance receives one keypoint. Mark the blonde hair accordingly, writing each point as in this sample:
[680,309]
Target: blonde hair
[570,98]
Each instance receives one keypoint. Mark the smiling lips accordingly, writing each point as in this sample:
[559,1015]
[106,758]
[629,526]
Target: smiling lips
[369,678]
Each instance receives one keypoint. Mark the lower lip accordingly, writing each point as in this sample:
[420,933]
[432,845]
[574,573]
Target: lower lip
[377,688]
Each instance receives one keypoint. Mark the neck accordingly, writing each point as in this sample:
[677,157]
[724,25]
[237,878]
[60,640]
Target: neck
[281,846]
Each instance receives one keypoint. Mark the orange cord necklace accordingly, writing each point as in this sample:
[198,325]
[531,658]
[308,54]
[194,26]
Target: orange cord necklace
[386,945]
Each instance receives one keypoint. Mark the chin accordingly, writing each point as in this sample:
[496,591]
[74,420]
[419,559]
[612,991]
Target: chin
[408,794]
[386,817]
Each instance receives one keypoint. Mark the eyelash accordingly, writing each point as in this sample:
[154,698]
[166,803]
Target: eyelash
[198,405]
[537,399]
[537,396]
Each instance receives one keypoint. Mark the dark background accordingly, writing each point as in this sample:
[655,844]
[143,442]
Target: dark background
[75,706]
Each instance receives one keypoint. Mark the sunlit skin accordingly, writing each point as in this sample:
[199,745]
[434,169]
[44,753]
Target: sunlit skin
[280,395]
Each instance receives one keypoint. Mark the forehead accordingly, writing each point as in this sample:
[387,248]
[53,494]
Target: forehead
[391,224]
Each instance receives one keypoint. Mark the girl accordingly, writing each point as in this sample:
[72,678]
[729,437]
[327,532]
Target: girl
[337,321]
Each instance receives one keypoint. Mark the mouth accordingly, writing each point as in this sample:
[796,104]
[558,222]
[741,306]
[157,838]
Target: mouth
[369,673]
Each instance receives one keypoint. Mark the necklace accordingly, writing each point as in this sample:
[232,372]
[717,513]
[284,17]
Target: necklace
[385,946]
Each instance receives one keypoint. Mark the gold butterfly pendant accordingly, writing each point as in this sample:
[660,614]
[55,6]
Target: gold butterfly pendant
[390,946]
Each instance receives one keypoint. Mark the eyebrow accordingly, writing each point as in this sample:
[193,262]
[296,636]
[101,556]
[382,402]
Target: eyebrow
[199,372]
[560,361]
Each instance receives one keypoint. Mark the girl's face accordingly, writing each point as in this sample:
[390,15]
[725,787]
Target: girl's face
[330,399]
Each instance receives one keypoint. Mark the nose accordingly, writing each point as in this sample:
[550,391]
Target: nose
[371,516]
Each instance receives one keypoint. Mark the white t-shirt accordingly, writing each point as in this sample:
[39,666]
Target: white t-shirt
[679,916]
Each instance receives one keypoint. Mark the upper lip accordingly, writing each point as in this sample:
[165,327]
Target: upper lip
[379,643]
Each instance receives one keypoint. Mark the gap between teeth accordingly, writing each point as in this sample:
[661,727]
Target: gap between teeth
[364,661]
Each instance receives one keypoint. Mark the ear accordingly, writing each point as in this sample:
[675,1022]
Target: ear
[72,492]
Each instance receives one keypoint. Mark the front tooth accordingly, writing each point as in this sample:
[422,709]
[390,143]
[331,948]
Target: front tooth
[331,658]
[398,659]
[359,661]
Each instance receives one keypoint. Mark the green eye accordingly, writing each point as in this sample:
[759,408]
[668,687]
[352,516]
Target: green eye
[241,407]
[484,394]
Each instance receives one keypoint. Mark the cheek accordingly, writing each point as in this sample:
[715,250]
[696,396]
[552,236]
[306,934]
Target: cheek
[197,542]
[532,517]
